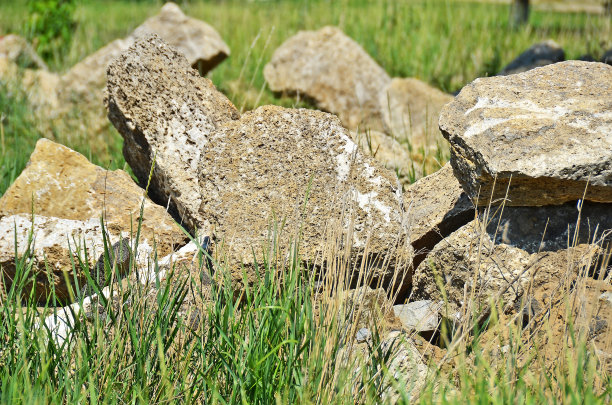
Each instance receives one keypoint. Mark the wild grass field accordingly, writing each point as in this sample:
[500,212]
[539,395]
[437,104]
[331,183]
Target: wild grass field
[286,340]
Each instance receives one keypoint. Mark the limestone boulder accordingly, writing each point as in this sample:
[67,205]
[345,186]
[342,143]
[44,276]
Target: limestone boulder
[435,207]
[280,174]
[61,183]
[56,243]
[541,54]
[334,71]
[410,109]
[16,49]
[167,115]
[199,42]
[546,133]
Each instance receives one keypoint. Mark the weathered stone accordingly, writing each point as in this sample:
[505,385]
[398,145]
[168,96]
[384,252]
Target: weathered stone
[299,168]
[389,152]
[472,269]
[435,207]
[410,109]
[331,69]
[59,182]
[547,132]
[56,244]
[542,54]
[549,228]
[17,50]
[199,42]
[421,316]
[167,115]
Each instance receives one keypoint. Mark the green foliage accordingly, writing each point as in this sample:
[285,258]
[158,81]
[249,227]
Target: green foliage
[50,26]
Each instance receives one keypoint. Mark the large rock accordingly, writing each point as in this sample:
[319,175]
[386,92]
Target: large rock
[410,109]
[435,207]
[59,182]
[549,130]
[56,244]
[541,54]
[167,115]
[469,268]
[17,50]
[299,170]
[332,70]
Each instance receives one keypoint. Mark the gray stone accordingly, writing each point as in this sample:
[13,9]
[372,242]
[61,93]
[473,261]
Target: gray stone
[17,50]
[167,114]
[541,54]
[363,335]
[607,57]
[421,316]
[546,133]
[549,228]
[331,69]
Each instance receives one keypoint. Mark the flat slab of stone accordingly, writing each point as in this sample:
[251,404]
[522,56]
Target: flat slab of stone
[59,182]
[166,113]
[548,129]
[333,70]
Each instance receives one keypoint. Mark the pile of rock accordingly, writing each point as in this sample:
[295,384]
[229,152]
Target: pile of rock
[337,74]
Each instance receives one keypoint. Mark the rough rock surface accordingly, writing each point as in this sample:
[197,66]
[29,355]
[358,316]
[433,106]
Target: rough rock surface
[333,70]
[549,129]
[17,50]
[166,113]
[199,42]
[56,243]
[300,168]
[549,228]
[389,152]
[59,182]
[542,54]
[410,109]
[435,206]
[469,262]
[366,307]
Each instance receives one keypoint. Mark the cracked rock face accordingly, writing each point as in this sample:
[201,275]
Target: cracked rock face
[549,129]
[333,70]
[165,112]
[300,168]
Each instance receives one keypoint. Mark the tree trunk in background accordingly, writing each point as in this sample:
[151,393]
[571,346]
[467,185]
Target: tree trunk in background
[520,11]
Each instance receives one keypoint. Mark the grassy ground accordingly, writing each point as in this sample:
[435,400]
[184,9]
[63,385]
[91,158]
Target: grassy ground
[282,344]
